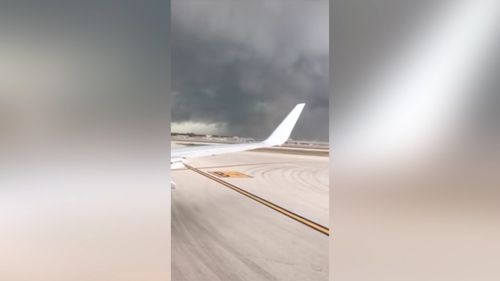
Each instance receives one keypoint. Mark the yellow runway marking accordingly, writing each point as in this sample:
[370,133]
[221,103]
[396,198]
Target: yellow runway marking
[316,226]
[229,174]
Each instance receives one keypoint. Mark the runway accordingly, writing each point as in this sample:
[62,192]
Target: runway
[220,234]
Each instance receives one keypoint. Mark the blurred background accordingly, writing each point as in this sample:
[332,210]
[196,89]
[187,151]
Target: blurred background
[415,140]
[84,140]
[84,148]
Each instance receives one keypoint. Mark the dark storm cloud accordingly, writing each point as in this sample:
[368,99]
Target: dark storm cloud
[246,63]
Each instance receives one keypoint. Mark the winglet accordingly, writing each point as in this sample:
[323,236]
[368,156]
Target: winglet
[283,131]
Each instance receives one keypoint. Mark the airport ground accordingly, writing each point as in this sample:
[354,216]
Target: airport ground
[220,234]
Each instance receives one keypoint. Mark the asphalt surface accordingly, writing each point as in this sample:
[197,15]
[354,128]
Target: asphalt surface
[220,234]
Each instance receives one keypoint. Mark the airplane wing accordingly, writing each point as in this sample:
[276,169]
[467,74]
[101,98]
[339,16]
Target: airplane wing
[278,137]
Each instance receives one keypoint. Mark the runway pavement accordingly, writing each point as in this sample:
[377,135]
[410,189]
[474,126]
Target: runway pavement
[220,234]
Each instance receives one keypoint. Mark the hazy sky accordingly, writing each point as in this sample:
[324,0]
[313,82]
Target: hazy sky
[238,67]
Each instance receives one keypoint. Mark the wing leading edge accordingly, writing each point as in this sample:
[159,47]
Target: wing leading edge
[279,136]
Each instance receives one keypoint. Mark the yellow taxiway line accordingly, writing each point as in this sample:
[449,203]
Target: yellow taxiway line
[316,226]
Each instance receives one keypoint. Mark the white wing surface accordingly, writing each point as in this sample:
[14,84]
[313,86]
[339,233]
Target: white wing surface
[278,137]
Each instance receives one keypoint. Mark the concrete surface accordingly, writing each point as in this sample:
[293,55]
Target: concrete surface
[218,234]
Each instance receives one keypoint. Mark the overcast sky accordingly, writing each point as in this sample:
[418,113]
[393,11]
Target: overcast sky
[238,67]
